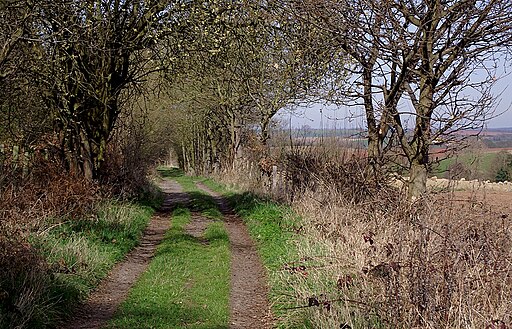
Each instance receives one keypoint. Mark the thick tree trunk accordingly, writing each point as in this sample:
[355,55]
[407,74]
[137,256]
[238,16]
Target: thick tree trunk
[418,180]
[265,132]
[88,160]
[76,151]
[264,137]
[374,156]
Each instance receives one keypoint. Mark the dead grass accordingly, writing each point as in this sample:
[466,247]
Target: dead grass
[47,192]
[391,264]
[368,258]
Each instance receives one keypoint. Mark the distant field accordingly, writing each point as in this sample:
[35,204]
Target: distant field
[476,164]
[353,142]
[480,162]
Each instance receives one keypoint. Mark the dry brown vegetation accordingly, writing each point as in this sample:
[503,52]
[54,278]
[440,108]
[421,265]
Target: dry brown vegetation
[387,263]
[369,258]
[46,269]
[26,205]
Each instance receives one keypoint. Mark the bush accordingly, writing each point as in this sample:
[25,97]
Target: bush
[502,175]
[369,258]
[57,240]
[345,174]
[23,281]
[26,205]
[502,167]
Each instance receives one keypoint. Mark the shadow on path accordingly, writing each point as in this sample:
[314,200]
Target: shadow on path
[104,301]
[248,303]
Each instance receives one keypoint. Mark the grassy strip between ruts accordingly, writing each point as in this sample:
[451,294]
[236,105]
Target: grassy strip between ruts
[274,228]
[187,282]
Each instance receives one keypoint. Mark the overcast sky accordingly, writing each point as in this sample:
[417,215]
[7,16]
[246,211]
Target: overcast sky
[504,87]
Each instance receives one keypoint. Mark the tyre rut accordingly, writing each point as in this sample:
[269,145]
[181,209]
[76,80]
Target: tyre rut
[248,303]
[104,301]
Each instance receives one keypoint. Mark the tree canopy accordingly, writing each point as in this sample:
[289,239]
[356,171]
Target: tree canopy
[70,69]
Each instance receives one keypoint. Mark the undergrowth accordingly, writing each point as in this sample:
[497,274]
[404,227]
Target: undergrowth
[381,261]
[59,236]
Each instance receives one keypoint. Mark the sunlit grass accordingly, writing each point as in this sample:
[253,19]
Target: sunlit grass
[81,252]
[186,284]
[479,163]
[273,227]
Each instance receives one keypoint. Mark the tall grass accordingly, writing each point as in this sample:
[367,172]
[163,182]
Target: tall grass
[380,261]
[59,236]
[427,265]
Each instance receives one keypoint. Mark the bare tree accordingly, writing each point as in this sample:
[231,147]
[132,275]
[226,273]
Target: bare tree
[96,51]
[215,77]
[451,41]
[13,19]
[287,65]
[422,55]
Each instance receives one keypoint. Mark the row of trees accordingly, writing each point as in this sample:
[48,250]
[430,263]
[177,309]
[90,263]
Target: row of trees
[75,63]
[220,69]
[257,60]
[430,61]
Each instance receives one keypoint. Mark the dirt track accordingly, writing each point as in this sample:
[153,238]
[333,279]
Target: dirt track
[248,304]
[249,307]
[104,301]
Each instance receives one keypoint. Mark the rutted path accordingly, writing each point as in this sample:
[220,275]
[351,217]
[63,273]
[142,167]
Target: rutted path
[248,304]
[104,301]
[197,225]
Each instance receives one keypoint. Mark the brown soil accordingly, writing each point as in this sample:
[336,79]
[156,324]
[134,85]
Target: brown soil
[197,225]
[249,307]
[495,201]
[104,301]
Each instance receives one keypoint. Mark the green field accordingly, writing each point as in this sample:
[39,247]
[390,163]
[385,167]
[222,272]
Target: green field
[471,165]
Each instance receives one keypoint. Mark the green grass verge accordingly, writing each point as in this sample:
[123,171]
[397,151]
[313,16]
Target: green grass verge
[187,282]
[81,252]
[273,227]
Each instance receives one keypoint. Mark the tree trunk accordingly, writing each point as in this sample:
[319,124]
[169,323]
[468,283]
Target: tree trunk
[417,181]
[184,159]
[374,156]
[420,146]
[235,128]
[374,139]
[88,161]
